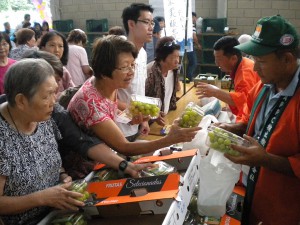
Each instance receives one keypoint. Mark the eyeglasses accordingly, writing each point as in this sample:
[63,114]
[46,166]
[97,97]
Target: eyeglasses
[127,69]
[4,44]
[147,22]
[169,43]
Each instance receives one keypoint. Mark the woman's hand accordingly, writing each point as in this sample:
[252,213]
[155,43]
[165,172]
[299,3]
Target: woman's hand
[160,119]
[65,178]
[178,134]
[138,119]
[134,169]
[60,197]
[144,129]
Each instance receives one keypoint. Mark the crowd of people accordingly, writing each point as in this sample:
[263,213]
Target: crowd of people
[56,109]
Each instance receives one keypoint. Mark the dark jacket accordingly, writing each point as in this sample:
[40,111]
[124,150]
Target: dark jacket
[155,85]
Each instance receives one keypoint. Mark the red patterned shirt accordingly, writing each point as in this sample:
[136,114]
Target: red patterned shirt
[88,107]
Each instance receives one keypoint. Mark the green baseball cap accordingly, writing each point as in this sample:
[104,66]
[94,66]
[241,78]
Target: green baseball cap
[271,33]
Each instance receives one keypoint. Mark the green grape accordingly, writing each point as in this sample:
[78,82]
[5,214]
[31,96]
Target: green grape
[146,109]
[222,147]
[220,140]
[215,145]
[185,118]
[190,118]
[211,134]
[86,195]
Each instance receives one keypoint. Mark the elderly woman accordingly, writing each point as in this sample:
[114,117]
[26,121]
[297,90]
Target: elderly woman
[30,163]
[25,40]
[78,63]
[55,43]
[95,105]
[79,151]
[5,62]
[162,78]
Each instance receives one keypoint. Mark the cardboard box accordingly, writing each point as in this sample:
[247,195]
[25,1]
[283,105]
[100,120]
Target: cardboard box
[226,82]
[206,78]
[158,199]
[168,194]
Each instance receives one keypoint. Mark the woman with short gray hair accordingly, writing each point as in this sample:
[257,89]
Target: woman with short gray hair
[30,164]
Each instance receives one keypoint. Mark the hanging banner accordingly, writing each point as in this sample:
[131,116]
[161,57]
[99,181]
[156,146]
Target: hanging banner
[175,22]
[43,8]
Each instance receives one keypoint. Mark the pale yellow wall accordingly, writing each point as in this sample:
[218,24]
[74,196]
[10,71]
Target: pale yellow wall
[242,14]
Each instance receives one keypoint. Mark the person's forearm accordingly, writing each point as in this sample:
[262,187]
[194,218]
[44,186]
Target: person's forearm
[138,148]
[103,154]
[110,158]
[277,163]
[236,128]
[224,96]
[14,205]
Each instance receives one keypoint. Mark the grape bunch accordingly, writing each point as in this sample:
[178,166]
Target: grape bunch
[191,116]
[158,168]
[80,186]
[146,109]
[221,140]
[70,219]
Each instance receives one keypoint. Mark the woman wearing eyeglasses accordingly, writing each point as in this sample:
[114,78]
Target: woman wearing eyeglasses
[5,62]
[162,79]
[95,107]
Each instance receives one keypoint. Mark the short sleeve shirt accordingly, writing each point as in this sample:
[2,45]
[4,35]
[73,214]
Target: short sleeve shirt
[77,58]
[30,163]
[3,70]
[88,107]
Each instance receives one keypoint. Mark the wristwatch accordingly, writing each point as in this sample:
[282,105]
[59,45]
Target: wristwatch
[122,167]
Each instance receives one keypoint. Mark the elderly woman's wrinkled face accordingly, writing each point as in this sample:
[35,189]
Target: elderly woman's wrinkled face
[4,49]
[124,71]
[41,105]
[172,60]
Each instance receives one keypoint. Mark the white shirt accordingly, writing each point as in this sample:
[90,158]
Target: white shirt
[169,86]
[77,59]
[137,86]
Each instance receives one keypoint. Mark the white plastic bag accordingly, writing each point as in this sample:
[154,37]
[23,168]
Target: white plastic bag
[218,176]
[199,140]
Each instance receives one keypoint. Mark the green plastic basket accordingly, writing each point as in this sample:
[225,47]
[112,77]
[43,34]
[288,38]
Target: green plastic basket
[217,25]
[97,25]
[63,25]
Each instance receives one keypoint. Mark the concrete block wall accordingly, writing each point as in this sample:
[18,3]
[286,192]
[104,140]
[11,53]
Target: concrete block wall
[243,14]
[80,11]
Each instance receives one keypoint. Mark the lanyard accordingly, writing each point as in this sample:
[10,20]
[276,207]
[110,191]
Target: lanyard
[266,130]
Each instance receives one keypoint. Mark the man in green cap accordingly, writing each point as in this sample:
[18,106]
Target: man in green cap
[271,121]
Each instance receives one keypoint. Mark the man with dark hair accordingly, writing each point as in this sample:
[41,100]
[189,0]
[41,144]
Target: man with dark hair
[161,21]
[272,120]
[243,77]
[138,23]
[7,28]
[24,22]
